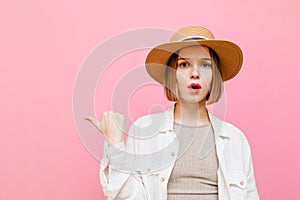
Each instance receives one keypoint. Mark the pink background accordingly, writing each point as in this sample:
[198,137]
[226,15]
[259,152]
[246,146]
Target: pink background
[43,44]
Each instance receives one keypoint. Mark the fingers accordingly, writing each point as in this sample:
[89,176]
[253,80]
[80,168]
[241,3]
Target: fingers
[120,121]
[104,121]
[112,125]
[109,119]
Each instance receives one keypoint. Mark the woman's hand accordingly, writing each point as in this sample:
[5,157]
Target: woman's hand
[112,126]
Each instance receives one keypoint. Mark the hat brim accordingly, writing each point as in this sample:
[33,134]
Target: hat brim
[230,57]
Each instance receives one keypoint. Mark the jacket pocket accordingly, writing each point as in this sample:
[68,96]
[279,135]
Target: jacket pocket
[237,186]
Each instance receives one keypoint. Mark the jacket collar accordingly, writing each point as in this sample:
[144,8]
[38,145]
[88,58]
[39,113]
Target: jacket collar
[217,124]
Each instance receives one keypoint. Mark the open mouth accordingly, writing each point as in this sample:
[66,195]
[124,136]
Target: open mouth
[195,86]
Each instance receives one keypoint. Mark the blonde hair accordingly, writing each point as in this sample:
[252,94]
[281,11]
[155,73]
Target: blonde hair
[170,84]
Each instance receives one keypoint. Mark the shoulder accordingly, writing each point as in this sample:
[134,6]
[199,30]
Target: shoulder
[148,125]
[149,118]
[157,120]
[226,129]
[143,133]
[234,132]
[235,137]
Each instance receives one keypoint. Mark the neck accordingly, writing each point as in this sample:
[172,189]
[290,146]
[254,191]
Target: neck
[192,114]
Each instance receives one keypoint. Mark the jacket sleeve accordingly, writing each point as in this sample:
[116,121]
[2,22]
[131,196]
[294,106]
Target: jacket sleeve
[251,189]
[117,176]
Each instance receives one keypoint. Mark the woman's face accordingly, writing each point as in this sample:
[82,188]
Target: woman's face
[193,74]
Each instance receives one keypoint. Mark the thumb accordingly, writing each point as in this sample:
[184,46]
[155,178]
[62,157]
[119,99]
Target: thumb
[94,121]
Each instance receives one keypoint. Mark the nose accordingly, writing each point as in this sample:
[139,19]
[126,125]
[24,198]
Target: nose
[195,73]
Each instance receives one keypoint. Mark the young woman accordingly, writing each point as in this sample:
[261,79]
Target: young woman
[184,152]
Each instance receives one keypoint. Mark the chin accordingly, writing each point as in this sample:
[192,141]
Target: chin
[193,100]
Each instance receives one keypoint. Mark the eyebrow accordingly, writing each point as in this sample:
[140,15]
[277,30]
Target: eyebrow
[182,58]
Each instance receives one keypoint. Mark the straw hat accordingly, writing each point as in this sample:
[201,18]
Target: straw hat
[230,55]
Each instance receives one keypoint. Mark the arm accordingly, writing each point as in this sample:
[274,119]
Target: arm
[117,177]
[117,173]
[251,189]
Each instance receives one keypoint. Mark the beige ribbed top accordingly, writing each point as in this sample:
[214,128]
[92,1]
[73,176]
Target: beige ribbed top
[194,175]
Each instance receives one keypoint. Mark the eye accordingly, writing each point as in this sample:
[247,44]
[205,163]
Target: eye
[184,64]
[206,65]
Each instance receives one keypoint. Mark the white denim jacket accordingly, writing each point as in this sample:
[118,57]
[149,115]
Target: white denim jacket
[141,169]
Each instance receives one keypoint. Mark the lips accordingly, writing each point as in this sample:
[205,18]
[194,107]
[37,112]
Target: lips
[195,86]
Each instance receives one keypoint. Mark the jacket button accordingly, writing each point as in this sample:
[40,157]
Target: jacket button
[162,179]
[173,153]
[242,182]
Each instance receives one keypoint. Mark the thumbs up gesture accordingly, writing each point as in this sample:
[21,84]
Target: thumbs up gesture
[112,126]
